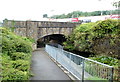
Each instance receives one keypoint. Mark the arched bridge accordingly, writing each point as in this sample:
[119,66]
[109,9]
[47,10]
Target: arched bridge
[39,29]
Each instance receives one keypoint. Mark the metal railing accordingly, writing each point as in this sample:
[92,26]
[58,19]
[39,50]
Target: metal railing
[82,68]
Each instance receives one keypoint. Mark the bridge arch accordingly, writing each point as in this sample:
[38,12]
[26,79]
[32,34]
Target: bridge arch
[54,30]
[51,39]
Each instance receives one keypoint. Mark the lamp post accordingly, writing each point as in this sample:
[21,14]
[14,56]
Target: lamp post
[101,10]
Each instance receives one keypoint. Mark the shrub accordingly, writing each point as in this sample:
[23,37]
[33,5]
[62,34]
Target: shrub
[20,55]
[7,45]
[106,27]
[102,37]
[106,60]
[14,70]
[14,74]
[106,38]
[6,61]
[12,43]
[80,38]
[21,65]
[22,46]
[16,56]
[28,39]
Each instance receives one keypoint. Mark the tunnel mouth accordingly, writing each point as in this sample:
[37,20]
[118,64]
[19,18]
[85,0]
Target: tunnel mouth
[53,39]
[40,44]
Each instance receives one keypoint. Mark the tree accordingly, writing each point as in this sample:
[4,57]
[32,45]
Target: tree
[45,16]
[116,4]
[96,13]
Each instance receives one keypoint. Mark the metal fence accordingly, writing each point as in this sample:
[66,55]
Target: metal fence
[82,68]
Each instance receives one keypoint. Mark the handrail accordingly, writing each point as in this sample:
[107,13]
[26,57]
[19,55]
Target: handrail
[89,59]
[81,67]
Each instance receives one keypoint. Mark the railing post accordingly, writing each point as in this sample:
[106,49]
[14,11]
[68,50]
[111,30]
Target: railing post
[70,62]
[111,76]
[83,61]
[56,55]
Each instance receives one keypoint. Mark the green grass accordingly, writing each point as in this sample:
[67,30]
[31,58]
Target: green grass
[96,79]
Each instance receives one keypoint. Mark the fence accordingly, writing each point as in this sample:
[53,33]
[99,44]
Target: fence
[82,68]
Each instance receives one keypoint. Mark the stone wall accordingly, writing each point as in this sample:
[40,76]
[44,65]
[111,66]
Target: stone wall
[39,29]
[31,29]
[48,31]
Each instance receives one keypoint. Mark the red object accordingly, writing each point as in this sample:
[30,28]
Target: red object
[75,20]
[115,16]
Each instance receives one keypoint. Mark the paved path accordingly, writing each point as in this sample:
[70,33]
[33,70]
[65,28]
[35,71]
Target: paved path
[44,68]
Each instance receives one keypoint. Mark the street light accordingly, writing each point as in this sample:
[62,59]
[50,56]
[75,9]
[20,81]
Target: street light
[101,10]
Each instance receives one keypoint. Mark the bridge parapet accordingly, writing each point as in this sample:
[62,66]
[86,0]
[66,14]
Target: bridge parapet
[56,24]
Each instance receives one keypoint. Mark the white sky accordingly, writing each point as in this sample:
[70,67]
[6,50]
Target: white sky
[34,9]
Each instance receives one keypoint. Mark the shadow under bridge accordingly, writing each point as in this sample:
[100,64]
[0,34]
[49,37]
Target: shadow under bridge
[53,39]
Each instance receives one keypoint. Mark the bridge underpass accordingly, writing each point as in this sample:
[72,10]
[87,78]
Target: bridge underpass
[37,29]
[52,39]
[42,66]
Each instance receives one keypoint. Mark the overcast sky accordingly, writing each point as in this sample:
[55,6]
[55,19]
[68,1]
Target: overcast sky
[34,9]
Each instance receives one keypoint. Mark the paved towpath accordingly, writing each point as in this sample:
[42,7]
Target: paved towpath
[44,68]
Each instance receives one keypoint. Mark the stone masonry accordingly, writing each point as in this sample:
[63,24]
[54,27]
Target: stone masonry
[39,29]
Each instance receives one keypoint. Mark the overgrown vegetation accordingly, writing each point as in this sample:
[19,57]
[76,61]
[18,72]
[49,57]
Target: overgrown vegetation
[106,60]
[101,38]
[16,56]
